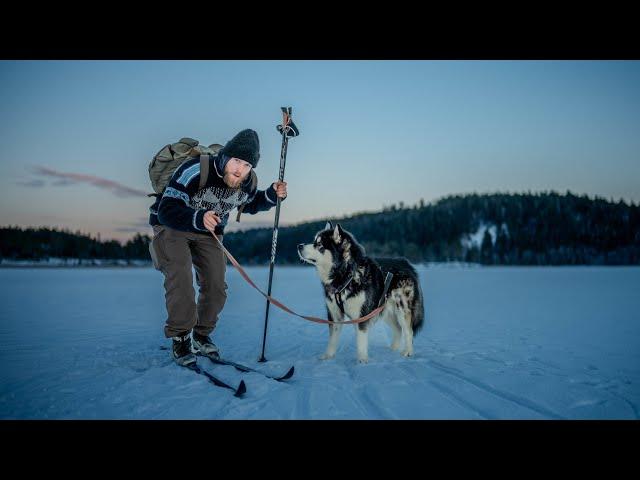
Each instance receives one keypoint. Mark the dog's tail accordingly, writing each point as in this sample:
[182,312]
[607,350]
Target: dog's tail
[417,315]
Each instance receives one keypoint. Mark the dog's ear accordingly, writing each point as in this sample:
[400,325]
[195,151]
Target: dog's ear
[328,226]
[338,233]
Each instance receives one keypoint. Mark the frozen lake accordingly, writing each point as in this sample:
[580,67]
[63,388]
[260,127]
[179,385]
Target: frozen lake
[498,343]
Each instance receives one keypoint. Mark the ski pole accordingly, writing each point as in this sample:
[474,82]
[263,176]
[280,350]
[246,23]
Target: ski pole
[288,129]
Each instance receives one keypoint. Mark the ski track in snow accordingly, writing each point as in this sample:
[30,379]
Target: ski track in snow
[460,400]
[523,402]
[361,396]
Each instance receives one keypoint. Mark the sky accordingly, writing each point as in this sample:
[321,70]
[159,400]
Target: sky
[77,136]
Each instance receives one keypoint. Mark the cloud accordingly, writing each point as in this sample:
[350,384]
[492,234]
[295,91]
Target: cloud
[141,226]
[63,182]
[32,183]
[73,178]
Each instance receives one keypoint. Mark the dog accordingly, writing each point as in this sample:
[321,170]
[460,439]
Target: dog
[353,286]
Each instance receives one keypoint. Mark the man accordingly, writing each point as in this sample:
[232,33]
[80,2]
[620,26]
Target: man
[183,220]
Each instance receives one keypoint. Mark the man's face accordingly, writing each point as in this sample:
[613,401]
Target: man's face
[236,171]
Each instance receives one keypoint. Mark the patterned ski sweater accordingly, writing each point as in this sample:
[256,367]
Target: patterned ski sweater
[182,205]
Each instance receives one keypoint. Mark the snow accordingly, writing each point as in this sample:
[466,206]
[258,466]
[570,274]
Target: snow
[498,343]
[471,240]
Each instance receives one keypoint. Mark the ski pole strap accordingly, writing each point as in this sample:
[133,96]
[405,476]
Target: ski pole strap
[288,126]
[280,305]
[291,129]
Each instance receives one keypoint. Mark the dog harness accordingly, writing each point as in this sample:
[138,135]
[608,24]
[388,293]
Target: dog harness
[337,294]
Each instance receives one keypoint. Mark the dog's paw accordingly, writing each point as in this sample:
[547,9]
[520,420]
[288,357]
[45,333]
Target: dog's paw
[326,356]
[363,360]
[407,353]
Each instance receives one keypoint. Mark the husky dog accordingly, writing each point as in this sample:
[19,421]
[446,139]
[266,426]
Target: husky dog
[353,285]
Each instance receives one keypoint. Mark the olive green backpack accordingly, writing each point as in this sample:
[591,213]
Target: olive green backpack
[171,156]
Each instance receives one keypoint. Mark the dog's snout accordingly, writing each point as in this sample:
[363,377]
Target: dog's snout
[300,246]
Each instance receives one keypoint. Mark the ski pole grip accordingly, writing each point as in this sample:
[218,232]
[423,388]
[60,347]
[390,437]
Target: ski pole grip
[286,116]
[288,129]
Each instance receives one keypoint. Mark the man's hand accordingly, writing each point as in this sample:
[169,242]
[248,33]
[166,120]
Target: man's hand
[210,220]
[281,189]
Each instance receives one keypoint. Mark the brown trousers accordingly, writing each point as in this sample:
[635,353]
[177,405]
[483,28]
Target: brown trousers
[173,253]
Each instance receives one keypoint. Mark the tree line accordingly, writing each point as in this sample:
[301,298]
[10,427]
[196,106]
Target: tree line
[492,229]
[511,229]
[40,243]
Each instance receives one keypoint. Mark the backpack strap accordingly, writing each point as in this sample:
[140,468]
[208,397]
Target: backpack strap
[240,209]
[204,170]
[254,185]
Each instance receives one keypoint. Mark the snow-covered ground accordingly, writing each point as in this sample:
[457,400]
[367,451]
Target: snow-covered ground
[498,343]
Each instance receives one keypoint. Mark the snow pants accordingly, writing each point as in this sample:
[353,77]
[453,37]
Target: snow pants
[174,253]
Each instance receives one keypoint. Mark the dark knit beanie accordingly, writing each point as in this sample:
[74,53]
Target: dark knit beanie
[245,145]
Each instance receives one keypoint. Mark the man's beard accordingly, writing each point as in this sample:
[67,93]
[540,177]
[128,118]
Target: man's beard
[232,181]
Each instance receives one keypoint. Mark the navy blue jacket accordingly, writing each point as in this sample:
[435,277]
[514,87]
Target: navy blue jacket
[183,205]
